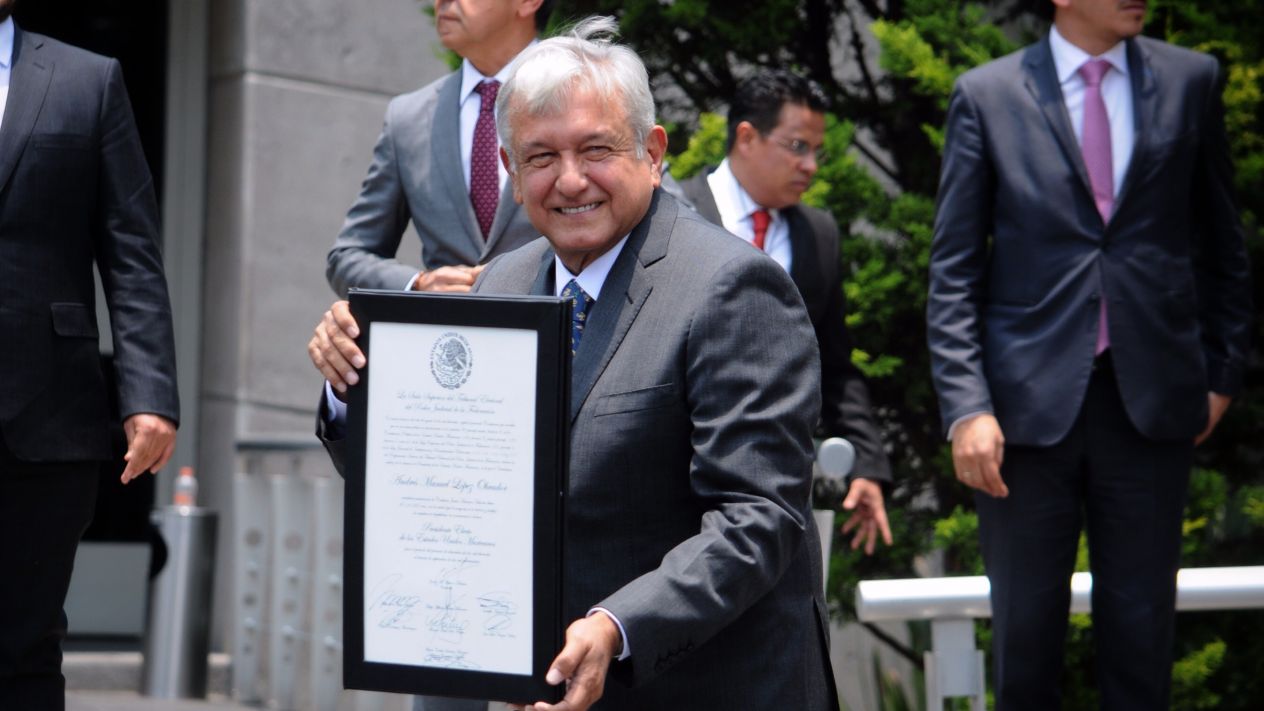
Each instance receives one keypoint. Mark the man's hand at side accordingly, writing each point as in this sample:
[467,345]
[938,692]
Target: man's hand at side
[1216,406]
[333,349]
[978,448]
[150,441]
[868,514]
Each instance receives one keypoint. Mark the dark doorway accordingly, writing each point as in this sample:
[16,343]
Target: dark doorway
[135,33]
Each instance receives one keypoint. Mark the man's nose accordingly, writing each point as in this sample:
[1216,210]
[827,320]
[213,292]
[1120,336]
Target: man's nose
[572,177]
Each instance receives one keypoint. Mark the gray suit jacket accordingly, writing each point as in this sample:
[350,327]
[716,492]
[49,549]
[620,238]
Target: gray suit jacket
[417,175]
[816,269]
[694,394]
[693,397]
[1021,255]
[74,190]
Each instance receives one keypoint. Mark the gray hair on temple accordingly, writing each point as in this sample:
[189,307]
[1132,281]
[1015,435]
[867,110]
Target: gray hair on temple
[584,58]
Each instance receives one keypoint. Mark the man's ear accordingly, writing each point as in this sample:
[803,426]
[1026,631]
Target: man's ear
[656,147]
[513,175]
[528,8]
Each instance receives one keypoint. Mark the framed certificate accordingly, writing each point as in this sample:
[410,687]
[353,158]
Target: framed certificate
[456,471]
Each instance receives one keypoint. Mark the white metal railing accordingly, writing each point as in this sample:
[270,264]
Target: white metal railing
[954,667]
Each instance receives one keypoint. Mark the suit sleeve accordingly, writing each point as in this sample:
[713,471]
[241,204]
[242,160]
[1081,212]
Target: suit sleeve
[958,262]
[130,263]
[846,410]
[363,255]
[1222,273]
[753,396]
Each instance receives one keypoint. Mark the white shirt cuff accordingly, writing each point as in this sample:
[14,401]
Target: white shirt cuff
[335,410]
[627,648]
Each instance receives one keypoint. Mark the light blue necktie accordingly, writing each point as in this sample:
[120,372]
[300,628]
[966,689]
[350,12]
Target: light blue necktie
[580,303]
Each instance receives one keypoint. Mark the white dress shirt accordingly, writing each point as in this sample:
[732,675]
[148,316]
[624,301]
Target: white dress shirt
[736,205]
[593,277]
[1116,94]
[6,63]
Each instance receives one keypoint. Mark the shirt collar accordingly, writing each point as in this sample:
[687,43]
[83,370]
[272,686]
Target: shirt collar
[734,196]
[594,275]
[471,77]
[6,43]
[1067,58]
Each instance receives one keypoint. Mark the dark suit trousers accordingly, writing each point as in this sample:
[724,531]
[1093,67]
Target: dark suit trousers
[1130,491]
[44,509]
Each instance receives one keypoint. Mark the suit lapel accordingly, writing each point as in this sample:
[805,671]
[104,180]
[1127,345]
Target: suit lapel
[446,143]
[698,190]
[28,84]
[622,297]
[1144,105]
[506,210]
[803,255]
[1042,82]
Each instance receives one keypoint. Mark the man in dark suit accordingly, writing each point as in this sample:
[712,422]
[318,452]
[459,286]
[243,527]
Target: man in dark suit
[1088,324]
[694,393]
[74,191]
[776,126]
[437,164]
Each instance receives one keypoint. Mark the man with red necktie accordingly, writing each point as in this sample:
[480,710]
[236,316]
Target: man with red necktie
[1088,323]
[776,125]
[437,163]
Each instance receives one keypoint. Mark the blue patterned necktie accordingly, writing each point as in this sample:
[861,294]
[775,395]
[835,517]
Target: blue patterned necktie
[580,303]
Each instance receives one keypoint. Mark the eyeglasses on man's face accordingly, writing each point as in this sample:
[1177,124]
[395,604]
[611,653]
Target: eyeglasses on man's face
[800,148]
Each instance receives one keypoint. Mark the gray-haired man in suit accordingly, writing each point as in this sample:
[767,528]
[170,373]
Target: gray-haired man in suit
[437,164]
[695,389]
[1088,318]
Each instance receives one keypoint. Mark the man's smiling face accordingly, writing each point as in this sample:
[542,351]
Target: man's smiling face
[579,175]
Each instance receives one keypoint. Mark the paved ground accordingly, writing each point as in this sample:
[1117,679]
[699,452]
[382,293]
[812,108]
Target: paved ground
[131,701]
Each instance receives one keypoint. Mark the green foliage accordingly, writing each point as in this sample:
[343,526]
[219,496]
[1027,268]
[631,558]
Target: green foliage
[705,147]
[1191,674]
[957,535]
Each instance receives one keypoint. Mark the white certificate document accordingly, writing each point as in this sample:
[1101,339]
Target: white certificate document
[449,497]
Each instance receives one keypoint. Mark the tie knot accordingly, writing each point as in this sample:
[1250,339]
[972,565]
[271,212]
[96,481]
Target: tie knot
[487,90]
[1093,70]
[760,219]
[577,296]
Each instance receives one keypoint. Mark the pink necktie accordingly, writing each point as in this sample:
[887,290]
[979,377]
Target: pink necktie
[759,221]
[1095,146]
[484,174]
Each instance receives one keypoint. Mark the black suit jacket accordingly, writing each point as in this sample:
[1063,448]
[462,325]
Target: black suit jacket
[1020,254]
[816,270]
[74,191]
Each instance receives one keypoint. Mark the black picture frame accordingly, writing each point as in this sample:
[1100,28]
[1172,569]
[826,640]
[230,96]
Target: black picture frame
[550,319]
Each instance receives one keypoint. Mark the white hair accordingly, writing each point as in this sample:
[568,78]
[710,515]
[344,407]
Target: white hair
[546,74]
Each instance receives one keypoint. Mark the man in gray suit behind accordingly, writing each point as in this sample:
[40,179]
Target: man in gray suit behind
[1088,320]
[437,164]
[695,389]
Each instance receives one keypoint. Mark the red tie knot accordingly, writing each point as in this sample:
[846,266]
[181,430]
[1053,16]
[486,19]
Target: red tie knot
[759,221]
[487,91]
